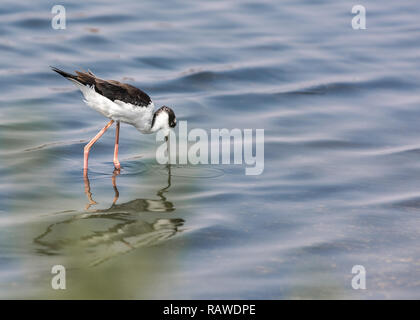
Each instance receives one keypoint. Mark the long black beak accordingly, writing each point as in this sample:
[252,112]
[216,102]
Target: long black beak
[168,148]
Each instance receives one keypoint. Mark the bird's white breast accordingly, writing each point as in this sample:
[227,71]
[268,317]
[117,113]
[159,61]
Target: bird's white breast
[140,117]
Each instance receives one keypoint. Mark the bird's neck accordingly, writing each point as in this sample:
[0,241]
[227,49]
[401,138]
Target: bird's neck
[154,125]
[148,124]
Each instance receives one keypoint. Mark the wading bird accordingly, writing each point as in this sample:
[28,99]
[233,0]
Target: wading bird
[120,102]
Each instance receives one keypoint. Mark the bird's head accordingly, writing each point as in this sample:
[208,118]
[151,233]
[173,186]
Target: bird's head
[164,118]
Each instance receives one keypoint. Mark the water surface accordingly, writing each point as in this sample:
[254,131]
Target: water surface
[341,185]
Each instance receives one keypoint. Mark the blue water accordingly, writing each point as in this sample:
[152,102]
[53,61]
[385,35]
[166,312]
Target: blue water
[341,184]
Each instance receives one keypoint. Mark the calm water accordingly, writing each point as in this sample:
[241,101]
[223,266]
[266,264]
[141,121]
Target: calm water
[341,185]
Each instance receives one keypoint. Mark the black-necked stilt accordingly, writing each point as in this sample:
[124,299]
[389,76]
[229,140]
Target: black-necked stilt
[119,102]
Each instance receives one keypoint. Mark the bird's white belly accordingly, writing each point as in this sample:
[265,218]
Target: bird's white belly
[141,117]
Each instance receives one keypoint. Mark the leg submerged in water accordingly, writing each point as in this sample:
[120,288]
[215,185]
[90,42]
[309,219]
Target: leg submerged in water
[91,143]
[117,138]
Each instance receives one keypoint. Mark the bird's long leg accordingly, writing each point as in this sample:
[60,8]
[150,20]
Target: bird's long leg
[90,144]
[117,138]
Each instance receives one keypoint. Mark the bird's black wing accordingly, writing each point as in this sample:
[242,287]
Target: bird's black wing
[113,90]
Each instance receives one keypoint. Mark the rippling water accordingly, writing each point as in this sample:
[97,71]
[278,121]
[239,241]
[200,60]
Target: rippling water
[341,185]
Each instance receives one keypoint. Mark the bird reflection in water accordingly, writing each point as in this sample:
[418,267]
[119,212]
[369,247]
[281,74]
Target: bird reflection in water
[106,233]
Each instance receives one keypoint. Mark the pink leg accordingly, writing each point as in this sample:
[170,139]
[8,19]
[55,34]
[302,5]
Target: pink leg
[117,138]
[90,144]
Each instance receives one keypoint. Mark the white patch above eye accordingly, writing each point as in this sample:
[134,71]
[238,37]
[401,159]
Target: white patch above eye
[161,120]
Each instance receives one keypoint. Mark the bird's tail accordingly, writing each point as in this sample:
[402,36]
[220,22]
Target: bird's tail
[64,74]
